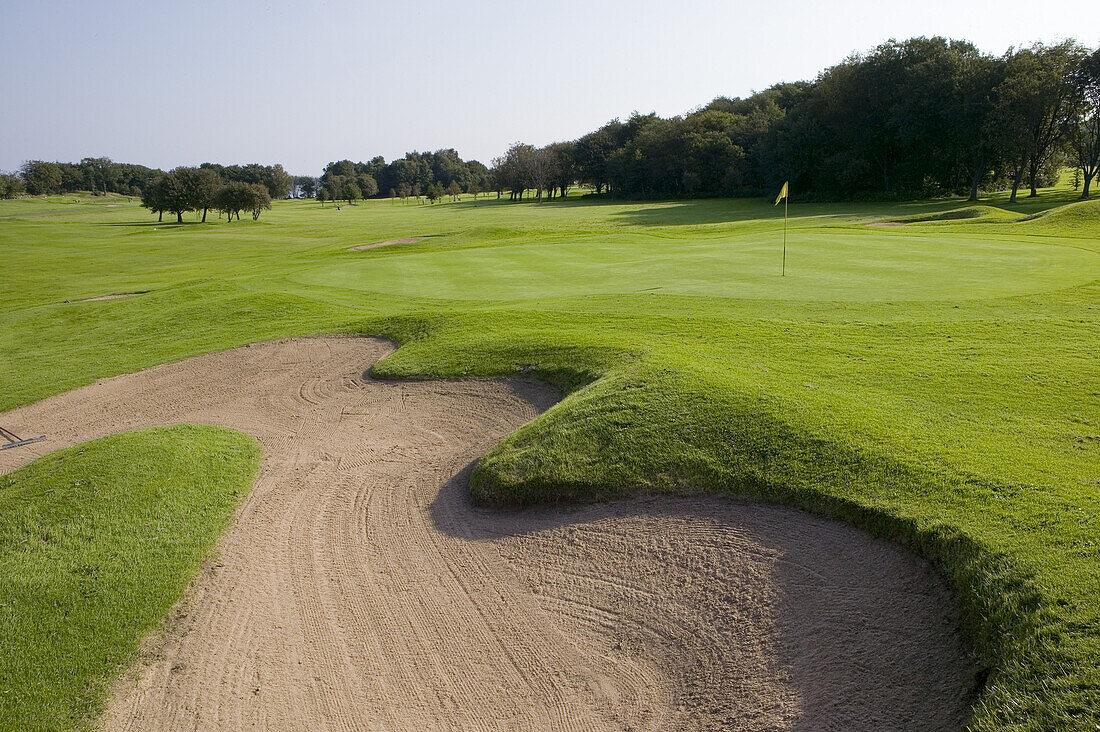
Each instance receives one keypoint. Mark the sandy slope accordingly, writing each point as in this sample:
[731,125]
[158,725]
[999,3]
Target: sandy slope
[359,589]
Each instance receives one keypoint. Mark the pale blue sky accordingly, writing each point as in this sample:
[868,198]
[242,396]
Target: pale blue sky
[303,83]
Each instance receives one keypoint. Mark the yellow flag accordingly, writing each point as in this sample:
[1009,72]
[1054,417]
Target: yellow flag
[782,194]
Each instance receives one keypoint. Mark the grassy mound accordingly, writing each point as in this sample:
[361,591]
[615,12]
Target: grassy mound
[1035,665]
[1073,219]
[97,542]
[974,214]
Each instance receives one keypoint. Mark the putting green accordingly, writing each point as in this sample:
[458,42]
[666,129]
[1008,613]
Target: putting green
[838,264]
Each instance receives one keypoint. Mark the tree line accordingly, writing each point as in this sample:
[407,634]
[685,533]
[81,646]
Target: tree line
[417,174]
[160,189]
[921,117]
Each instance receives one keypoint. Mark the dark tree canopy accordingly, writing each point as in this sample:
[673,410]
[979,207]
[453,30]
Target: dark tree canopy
[236,196]
[925,116]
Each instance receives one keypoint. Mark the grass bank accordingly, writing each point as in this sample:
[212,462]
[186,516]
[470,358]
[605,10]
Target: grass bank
[97,542]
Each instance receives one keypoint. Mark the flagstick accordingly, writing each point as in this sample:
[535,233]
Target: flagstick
[784,237]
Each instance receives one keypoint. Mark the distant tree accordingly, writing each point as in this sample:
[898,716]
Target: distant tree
[234,197]
[334,186]
[200,184]
[150,197]
[477,176]
[368,186]
[41,177]
[404,190]
[11,186]
[307,185]
[519,169]
[435,192]
[592,154]
[474,188]
[169,192]
[350,190]
[258,200]
[1085,128]
[562,167]
[322,195]
[453,189]
[278,182]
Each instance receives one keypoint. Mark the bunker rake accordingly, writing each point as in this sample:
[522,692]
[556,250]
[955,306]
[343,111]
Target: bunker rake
[14,440]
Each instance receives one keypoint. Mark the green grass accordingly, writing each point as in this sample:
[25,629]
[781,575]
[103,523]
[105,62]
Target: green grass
[97,543]
[937,383]
[971,213]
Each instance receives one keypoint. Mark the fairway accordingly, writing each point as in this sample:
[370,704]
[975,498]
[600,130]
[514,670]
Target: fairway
[933,385]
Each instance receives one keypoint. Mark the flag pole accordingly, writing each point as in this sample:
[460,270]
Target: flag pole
[784,237]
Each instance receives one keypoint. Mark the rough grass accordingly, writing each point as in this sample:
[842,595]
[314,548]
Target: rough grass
[96,544]
[936,384]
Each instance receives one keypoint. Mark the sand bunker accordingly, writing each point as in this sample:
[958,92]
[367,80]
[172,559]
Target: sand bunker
[359,588]
[406,240]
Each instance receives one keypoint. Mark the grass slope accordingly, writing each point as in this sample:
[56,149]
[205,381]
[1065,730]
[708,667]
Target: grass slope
[972,213]
[935,382]
[96,544]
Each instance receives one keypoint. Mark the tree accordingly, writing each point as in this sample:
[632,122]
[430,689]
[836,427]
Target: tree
[333,186]
[349,189]
[234,197]
[307,185]
[453,189]
[150,197]
[592,154]
[278,182]
[201,185]
[563,166]
[258,200]
[518,170]
[170,193]
[368,186]
[40,177]
[1038,102]
[11,186]
[435,192]
[974,110]
[1085,129]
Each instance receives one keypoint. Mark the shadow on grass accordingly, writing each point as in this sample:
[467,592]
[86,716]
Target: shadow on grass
[161,224]
[177,224]
[702,211]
